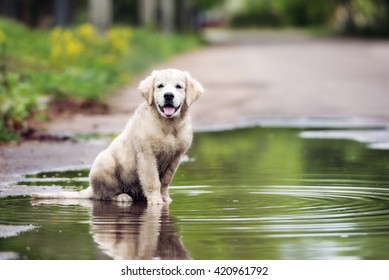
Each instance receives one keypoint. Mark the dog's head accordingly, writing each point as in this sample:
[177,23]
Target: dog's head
[170,90]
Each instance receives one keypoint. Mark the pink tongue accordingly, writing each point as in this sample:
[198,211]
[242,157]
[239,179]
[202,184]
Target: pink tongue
[168,110]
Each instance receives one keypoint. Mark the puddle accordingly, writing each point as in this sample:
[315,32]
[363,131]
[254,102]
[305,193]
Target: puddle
[250,193]
[7,230]
[374,138]
[69,179]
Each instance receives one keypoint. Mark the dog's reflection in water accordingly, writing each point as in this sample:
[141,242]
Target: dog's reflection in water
[135,231]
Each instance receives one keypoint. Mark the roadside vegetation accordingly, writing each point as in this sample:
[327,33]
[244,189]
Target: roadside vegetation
[75,66]
[365,18]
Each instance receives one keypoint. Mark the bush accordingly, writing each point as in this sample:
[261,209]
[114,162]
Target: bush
[17,95]
[72,63]
[282,13]
[258,13]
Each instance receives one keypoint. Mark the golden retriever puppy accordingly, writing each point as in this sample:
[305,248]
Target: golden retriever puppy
[141,161]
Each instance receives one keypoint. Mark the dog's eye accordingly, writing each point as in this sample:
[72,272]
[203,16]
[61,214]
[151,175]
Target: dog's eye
[179,86]
[160,86]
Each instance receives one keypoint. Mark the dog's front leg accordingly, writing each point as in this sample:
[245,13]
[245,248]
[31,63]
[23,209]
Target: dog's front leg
[167,179]
[149,178]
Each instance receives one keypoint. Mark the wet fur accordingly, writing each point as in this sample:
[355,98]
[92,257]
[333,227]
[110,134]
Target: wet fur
[141,161]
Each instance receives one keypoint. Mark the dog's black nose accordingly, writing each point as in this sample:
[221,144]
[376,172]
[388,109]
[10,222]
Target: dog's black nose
[168,96]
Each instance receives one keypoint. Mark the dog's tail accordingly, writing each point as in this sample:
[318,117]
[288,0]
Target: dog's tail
[84,194]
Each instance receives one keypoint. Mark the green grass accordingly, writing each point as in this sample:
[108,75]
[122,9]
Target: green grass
[75,63]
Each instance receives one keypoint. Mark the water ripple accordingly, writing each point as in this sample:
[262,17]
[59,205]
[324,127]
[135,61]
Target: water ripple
[301,211]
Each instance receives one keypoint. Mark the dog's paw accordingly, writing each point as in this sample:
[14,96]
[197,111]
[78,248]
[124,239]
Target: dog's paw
[167,199]
[155,200]
[39,195]
[124,198]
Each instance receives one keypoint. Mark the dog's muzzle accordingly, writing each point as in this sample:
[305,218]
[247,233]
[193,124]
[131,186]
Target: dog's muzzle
[168,109]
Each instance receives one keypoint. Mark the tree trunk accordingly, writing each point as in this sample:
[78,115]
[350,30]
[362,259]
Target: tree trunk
[185,15]
[62,12]
[100,14]
[167,15]
[147,12]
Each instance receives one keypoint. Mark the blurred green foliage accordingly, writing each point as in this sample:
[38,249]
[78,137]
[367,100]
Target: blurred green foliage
[76,62]
[349,17]
[284,13]
[206,4]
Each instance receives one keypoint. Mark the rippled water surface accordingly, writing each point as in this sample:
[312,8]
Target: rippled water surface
[254,193]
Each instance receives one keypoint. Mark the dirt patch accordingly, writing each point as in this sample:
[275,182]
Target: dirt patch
[61,108]
[35,134]
[71,106]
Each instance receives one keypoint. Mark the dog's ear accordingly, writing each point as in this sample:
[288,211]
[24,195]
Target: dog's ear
[193,90]
[146,88]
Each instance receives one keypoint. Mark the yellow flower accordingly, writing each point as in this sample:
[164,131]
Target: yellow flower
[119,38]
[74,47]
[3,37]
[84,43]
[67,36]
[86,30]
[120,45]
